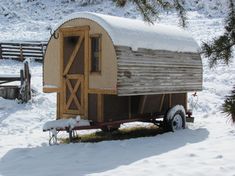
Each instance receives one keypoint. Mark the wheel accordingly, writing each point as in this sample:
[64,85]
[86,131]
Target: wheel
[175,119]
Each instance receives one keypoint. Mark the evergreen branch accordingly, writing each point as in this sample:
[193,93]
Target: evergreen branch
[145,9]
[149,9]
[178,4]
[229,105]
[220,49]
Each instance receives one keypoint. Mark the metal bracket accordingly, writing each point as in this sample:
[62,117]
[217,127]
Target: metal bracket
[54,34]
[53,140]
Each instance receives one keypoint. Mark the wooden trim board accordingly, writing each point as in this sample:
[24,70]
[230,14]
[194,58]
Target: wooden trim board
[102,91]
[50,90]
[100,107]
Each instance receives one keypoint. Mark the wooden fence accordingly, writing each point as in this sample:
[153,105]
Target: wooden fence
[22,50]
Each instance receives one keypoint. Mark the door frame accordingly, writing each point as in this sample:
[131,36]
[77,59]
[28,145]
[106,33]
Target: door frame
[74,31]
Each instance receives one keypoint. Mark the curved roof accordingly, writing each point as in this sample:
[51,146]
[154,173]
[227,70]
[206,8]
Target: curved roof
[140,34]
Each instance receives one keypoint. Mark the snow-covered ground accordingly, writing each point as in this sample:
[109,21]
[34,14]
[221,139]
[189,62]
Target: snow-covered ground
[204,148]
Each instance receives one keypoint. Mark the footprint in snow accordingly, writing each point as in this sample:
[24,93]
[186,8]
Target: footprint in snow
[232,132]
[219,157]
[192,155]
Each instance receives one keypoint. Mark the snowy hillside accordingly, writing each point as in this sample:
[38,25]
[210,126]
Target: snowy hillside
[35,17]
[204,148]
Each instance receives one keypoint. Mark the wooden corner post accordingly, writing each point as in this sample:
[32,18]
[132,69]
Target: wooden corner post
[86,72]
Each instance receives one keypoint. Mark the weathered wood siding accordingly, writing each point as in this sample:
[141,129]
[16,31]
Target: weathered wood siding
[147,71]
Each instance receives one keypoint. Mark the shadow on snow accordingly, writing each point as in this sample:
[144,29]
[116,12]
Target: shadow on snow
[87,158]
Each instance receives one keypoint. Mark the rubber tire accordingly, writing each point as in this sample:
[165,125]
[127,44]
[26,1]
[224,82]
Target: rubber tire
[169,123]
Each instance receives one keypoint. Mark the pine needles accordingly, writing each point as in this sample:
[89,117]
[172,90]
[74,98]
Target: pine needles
[150,9]
[229,105]
[220,50]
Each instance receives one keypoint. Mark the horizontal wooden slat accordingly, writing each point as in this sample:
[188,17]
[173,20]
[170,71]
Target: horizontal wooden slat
[146,72]
[18,54]
[23,44]
[160,58]
[22,50]
[158,64]
[19,48]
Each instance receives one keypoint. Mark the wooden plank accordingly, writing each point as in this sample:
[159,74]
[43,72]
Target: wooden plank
[72,96]
[150,77]
[75,76]
[102,91]
[158,84]
[161,103]
[21,57]
[142,103]
[186,102]
[129,107]
[157,90]
[100,107]
[0,51]
[9,79]
[158,64]
[86,69]
[22,44]
[177,59]
[19,54]
[159,70]
[159,55]
[149,93]
[161,89]
[6,48]
[58,106]
[170,100]
[67,31]
[62,90]
[50,90]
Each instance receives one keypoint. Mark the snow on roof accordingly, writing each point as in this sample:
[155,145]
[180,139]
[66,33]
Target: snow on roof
[140,34]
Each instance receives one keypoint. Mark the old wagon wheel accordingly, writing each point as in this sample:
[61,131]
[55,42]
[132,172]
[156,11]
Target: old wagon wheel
[175,119]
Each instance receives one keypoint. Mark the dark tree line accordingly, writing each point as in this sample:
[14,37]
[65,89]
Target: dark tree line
[219,50]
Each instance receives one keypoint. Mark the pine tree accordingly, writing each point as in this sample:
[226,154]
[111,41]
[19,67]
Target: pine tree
[229,105]
[221,48]
[150,9]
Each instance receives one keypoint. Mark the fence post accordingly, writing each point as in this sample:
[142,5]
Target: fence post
[42,50]
[21,53]
[0,51]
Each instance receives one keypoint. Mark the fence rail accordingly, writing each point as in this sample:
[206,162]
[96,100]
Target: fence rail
[22,50]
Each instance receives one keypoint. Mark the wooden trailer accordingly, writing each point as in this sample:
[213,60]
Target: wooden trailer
[110,70]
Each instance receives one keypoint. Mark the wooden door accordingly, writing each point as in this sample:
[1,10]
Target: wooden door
[73,73]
